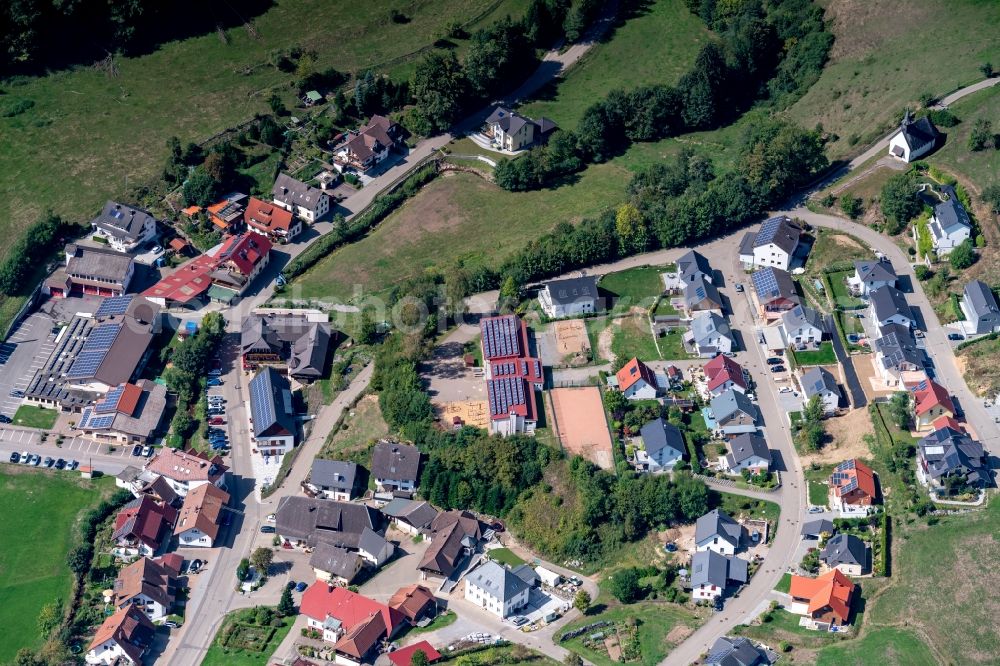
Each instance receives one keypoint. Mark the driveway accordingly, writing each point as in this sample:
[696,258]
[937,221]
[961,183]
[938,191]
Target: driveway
[858,398]
[401,571]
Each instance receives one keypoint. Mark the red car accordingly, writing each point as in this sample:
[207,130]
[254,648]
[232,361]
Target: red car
[217,420]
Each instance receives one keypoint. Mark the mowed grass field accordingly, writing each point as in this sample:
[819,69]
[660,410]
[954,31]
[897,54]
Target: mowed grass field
[888,54]
[980,168]
[88,133]
[458,217]
[38,523]
[656,45]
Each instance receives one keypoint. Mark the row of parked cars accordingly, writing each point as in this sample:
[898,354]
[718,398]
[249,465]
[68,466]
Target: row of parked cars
[36,460]
[217,437]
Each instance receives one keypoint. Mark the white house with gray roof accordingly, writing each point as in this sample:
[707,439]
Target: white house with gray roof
[746,451]
[889,306]
[819,381]
[979,306]
[870,275]
[693,264]
[915,138]
[700,295]
[802,326]
[126,228]
[308,202]
[334,479]
[847,553]
[738,651]
[712,573]
[717,531]
[710,335]
[896,354]
[734,413]
[569,298]
[774,245]
[663,447]
[496,589]
[950,224]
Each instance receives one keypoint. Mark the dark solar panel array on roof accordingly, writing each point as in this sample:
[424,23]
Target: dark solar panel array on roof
[261,402]
[765,283]
[505,393]
[500,337]
[115,305]
[768,230]
[94,350]
[110,402]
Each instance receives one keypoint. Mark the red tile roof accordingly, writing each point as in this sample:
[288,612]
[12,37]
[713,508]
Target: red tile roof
[124,627]
[722,369]
[266,216]
[412,600]
[633,371]
[853,475]
[129,399]
[144,520]
[931,396]
[186,466]
[186,283]
[945,421]
[404,656]
[322,600]
[243,251]
[363,637]
[833,589]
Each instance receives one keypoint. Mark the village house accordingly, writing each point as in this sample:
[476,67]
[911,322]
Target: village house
[570,297]
[404,656]
[454,536]
[127,414]
[496,589]
[915,138]
[415,602]
[126,228]
[305,201]
[149,585]
[335,565]
[898,360]
[734,413]
[819,381]
[710,335]
[738,651]
[90,271]
[889,306]
[951,462]
[691,265]
[513,132]
[355,624]
[718,532]
[724,374]
[368,147]
[852,489]
[410,516]
[201,516]
[930,402]
[847,554]
[395,467]
[304,523]
[802,326]
[871,275]
[979,305]
[712,573]
[663,447]
[186,470]
[512,376]
[746,451]
[272,413]
[774,245]
[950,224]
[334,479]
[122,639]
[637,381]
[700,295]
[141,527]
[775,292]
[271,220]
[826,600]
[294,341]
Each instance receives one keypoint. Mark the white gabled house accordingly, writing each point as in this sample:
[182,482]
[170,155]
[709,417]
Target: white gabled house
[950,225]
[496,589]
[914,139]
[774,245]
[718,532]
[746,451]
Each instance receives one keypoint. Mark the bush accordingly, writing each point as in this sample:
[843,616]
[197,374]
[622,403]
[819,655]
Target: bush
[625,586]
[962,256]
[921,272]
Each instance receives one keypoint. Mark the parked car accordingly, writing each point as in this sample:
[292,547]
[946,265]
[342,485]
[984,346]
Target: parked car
[15,393]
[15,457]
[4,418]
[48,462]
[72,465]
[137,450]
[956,336]
[215,381]
[774,360]
[777,368]
[60,463]
[519,620]
[718,604]
[217,420]
[785,389]
[25,458]
[271,518]
[815,509]
[739,287]
[170,624]
[36,460]
[291,585]
[215,372]
[301,587]
[147,451]
[267,529]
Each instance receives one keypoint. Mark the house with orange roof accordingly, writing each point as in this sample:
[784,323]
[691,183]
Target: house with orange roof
[930,402]
[201,516]
[637,381]
[826,600]
[122,639]
[355,624]
[852,488]
[942,422]
[404,656]
[271,220]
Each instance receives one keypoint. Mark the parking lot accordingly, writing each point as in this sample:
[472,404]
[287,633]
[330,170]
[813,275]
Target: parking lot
[24,352]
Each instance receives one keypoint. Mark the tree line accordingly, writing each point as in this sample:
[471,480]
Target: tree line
[40,241]
[772,51]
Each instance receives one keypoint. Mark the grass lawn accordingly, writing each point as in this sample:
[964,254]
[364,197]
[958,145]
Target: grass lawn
[822,356]
[458,217]
[785,626]
[633,338]
[837,284]
[219,654]
[784,584]
[639,286]
[672,346]
[656,46]
[440,622]
[505,556]
[980,366]
[504,654]
[31,416]
[818,493]
[736,505]
[832,247]
[655,620]
[980,167]
[362,426]
[886,646]
[879,64]
[41,509]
